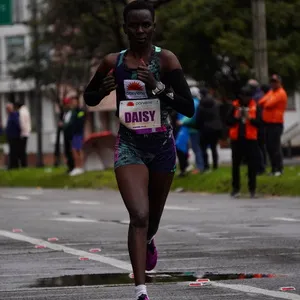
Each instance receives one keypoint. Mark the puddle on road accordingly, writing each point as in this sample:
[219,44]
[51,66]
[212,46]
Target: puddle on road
[124,278]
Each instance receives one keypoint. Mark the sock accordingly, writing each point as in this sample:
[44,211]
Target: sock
[140,290]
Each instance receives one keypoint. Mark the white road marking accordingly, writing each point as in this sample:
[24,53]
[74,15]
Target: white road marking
[254,290]
[237,238]
[287,219]
[180,208]
[84,202]
[75,220]
[97,257]
[25,198]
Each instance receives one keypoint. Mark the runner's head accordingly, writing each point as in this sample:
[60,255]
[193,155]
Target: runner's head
[139,24]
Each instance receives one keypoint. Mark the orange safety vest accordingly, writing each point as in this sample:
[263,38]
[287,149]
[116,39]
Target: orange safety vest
[250,130]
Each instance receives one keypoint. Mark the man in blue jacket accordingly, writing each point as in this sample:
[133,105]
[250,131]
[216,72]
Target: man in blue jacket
[13,136]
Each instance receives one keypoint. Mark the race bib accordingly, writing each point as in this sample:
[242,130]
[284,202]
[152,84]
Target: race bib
[141,116]
[135,89]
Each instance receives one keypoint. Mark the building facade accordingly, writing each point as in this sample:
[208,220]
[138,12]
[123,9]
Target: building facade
[15,42]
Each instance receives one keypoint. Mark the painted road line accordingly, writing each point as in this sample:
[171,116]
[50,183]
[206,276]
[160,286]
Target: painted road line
[287,219]
[254,290]
[103,259]
[16,197]
[181,208]
[79,202]
[75,220]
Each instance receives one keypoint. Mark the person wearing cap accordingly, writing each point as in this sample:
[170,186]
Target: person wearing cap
[66,125]
[244,120]
[274,104]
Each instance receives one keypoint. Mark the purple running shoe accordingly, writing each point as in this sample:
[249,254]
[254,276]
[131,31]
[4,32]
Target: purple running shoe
[151,256]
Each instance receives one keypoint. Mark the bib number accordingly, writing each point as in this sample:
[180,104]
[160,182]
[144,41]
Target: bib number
[141,116]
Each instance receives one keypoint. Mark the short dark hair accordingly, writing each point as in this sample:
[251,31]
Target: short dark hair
[246,91]
[138,5]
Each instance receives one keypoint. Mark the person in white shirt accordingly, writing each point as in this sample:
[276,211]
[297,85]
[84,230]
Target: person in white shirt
[25,124]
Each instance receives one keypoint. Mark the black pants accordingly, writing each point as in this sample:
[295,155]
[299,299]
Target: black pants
[183,160]
[68,152]
[262,162]
[13,156]
[212,142]
[23,152]
[249,150]
[273,145]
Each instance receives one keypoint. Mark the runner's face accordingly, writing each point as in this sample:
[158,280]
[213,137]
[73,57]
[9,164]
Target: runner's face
[139,27]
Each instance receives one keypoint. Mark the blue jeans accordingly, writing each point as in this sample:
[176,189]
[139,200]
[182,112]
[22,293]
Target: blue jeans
[195,140]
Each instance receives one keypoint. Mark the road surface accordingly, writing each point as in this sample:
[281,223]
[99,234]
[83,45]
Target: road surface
[209,236]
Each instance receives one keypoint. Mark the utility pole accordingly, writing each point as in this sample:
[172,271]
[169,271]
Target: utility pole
[260,41]
[37,96]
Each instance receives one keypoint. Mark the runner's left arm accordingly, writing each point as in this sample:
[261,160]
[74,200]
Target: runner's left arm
[179,97]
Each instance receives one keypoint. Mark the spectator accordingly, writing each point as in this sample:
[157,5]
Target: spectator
[256,89]
[209,122]
[274,104]
[265,88]
[244,120]
[182,147]
[13,134]
[25,123]
[194,133]
[258,93]
[77,124]
[68,134]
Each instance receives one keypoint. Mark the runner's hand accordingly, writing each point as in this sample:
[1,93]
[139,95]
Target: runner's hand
[109,83]
[145,75]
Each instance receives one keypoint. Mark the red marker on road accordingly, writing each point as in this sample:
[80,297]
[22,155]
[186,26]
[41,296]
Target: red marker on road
[288,288]
[196,284]
[204,281]
[95,250]
[54,239]
[16,230]
[83,258]
[39,247]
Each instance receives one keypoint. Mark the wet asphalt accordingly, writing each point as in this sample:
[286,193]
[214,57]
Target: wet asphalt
[248,248]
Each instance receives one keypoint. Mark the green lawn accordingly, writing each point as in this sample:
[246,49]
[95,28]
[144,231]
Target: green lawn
[215,182]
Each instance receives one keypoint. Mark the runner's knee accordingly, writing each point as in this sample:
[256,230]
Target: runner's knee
[139,219]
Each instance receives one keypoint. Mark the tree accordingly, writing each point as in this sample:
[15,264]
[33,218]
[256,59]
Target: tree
[213,39]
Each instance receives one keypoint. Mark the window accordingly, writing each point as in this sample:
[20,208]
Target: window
[15,49]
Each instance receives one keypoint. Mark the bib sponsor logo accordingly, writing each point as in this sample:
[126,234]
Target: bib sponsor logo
[135,89]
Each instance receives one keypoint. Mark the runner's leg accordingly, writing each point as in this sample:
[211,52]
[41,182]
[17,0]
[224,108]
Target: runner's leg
[159,187]
[133,185]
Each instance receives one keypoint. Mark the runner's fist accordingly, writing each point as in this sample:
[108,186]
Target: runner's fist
[108,83]
[145,75]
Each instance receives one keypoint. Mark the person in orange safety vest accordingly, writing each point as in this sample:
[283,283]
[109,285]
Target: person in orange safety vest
[274,104]
[244,118]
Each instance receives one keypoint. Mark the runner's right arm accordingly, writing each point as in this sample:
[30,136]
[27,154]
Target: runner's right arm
[102,83]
